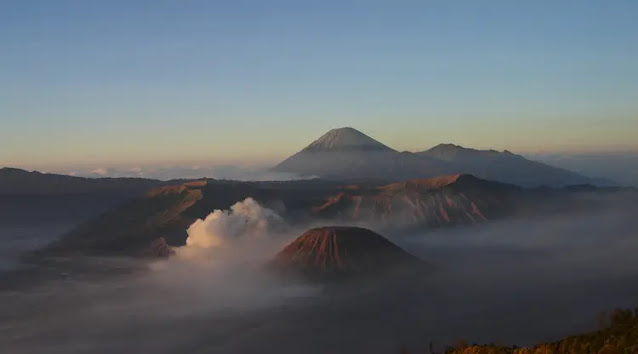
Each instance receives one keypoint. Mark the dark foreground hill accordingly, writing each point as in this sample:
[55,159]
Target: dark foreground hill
[341,252]
[619,337]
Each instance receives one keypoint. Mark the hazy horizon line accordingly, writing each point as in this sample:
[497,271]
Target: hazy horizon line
[265,163]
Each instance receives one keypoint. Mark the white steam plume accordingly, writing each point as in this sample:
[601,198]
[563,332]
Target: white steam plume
[245,219]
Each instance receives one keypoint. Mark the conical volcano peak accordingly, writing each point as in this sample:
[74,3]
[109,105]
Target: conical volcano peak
[340,251]
[346,139]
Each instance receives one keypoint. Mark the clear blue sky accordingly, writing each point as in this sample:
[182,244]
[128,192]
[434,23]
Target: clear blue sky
[154,81]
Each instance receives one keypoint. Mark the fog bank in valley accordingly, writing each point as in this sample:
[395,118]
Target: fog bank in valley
[515,282]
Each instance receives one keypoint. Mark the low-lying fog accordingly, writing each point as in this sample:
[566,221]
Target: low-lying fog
[509,282]
[29,222]
[18,239]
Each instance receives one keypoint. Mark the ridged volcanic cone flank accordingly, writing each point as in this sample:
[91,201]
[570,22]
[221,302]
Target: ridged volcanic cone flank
[342,251]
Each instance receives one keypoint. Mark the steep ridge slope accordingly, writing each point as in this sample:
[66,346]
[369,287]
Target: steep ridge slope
[343,139]
[132,228]
[448,200]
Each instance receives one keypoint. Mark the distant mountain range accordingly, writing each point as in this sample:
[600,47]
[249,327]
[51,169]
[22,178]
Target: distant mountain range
[346,153]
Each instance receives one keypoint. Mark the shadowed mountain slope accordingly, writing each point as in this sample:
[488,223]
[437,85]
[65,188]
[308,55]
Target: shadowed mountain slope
[503,166]
[133,227]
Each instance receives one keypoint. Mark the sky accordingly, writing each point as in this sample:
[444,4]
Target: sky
[150,82]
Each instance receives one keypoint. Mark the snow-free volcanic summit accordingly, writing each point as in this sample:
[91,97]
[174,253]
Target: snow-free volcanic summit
[339,252]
